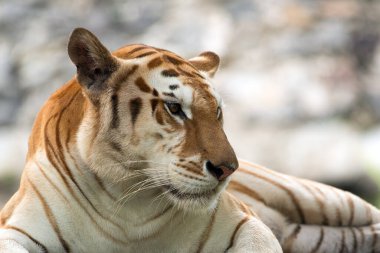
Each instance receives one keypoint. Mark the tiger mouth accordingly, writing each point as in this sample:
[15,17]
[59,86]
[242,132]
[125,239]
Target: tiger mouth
[186,195]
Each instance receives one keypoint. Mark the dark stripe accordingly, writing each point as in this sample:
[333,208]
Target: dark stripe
[343,242]
[177,145]
[321,198]
[116,146]
[155,92]
[206,232]
[169,94]
[51,182]
[85,209]
[158,136]
[123,77]
[173,86]
[143,86]
[318,199]
[368,213]
[97,179]
[155,63]
[60,159]
[355,244]
[362,238]
[115,121]
[170,73]
[135,108]
[49,214]
[52,156]
[191,162]
[244,207]
[159,118]
[247,191]
[40,245]
[145,54]
[232,239]
[68,136]
[169,130]
[292,196]
[288,245]
[374,240]
[153,103]
[49,147]
[320,240]
[185,73]
[339,216]
[352,209]
[197,74]
[162,50]
[137,49]
[337,209]
[188,64]
[190,169]
[173,60]
[103,187]
[192,177]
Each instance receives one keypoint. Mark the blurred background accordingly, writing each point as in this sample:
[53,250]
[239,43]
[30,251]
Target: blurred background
[300,78]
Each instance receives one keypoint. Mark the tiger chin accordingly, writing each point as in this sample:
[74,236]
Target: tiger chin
[130,156]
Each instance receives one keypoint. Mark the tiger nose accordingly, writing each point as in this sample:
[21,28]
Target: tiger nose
[220,172]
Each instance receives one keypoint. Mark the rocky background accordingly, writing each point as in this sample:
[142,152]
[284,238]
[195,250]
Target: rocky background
[300,78]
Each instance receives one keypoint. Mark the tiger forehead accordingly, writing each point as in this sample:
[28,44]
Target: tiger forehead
[166,72]
[174,65]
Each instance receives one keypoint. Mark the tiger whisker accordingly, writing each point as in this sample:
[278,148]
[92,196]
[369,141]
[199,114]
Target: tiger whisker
[144,185]
[139,161]
[161,197]
[137,173]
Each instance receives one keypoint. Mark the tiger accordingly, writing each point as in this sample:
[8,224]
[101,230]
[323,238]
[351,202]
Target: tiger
[130,156]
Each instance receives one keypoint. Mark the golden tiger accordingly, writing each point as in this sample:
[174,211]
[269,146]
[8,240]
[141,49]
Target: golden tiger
[131,156]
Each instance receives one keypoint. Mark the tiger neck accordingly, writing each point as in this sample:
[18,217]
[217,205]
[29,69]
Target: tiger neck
[58,121]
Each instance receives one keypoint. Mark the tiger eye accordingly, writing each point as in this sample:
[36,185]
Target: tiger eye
[174,108]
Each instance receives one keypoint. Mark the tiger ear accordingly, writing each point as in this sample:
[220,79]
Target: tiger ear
[207,62]
[94,62]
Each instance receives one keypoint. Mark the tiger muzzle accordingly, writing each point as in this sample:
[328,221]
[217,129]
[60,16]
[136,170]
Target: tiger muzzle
[221,160]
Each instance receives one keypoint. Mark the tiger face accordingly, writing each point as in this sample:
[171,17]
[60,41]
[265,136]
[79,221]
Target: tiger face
[154,114]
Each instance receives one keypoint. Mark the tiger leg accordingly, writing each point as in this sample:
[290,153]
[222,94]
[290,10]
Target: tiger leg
[253,236]
[13,241]
[305,238]
[315,238]
[11,246]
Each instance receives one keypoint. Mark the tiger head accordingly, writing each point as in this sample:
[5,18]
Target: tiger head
[150,111]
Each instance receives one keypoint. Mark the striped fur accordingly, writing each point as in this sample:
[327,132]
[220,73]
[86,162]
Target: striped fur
[131,156]
[117,161]
[307,216]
